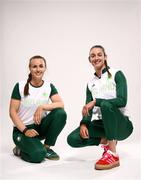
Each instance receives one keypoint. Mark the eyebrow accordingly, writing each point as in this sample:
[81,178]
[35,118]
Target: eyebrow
[92,54]
[96,53]
[34,65]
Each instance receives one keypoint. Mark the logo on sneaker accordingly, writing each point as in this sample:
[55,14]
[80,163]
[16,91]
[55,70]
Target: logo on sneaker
[48,154]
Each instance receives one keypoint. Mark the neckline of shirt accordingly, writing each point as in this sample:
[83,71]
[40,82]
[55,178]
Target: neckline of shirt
[37,86]
[103,71]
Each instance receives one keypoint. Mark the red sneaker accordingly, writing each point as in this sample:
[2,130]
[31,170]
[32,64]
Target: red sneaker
[108,161]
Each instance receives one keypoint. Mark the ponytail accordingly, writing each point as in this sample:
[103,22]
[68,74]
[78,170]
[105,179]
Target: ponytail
[107,69]
[26,87]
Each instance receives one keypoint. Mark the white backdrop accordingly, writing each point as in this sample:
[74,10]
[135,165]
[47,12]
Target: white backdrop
[63,32]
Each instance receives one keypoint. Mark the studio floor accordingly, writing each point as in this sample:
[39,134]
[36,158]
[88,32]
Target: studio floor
[74,164]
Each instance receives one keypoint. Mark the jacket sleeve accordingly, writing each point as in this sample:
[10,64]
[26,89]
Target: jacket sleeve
[87,119]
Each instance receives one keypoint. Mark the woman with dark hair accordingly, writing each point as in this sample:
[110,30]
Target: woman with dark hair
[105,118]
[37,112]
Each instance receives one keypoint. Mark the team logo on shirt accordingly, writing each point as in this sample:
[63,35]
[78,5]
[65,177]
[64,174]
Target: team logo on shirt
[45,94]
[33,102]
[104,90]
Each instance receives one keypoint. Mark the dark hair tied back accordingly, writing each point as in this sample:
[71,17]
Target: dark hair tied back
[107,69]
[26,88]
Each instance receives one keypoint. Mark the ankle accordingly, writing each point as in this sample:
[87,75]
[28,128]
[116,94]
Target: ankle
[104,141]
[46,146]
[112,146]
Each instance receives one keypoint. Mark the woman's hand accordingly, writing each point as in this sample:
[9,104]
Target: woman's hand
[38,115]
[84,131]
[31,133]
[87,107]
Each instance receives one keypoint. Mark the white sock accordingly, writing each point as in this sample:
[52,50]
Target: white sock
[113,153]
[106,144]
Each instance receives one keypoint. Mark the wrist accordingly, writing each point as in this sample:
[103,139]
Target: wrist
[43,107]
[94,102]
[83,125]
[25,129]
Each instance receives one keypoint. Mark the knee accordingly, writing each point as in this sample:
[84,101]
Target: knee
[72,140]
[38,155]
[106,105]
[61,114]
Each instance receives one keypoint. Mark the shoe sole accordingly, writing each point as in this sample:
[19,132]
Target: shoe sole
[54,159]
[105,167]
[17,152]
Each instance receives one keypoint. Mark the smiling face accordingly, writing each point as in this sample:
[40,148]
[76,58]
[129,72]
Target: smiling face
[97,58]
[37,68]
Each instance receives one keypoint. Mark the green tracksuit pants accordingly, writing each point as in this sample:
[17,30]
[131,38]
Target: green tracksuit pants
[32,149]
[113,126]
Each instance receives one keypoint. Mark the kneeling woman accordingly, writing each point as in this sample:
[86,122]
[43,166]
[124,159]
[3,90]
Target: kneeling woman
[34,118]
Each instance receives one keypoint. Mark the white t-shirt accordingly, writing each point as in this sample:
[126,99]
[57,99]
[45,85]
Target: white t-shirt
[37,96]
